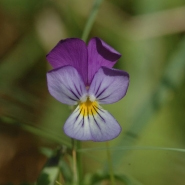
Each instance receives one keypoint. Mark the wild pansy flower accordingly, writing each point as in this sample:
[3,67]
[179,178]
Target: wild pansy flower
[83,76]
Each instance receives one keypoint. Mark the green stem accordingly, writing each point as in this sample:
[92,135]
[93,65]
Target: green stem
[79,162]
[91,19]
[110,164]
[75,169]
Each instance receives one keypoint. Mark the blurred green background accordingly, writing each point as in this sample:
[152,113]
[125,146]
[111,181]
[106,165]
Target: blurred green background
[150,35]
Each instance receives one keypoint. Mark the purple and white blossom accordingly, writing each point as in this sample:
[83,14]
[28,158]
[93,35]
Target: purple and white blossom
[83,76]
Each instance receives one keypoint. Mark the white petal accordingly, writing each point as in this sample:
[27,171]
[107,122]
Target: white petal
[98,125]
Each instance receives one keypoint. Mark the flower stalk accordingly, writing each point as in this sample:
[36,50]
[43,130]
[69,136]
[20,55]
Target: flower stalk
[75,169]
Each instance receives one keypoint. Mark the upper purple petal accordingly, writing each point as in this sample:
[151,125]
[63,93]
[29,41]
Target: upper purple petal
[66,85]
[100,54]
[71,52]
[109,85]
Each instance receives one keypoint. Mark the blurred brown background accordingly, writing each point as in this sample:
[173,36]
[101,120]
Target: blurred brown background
[150,36]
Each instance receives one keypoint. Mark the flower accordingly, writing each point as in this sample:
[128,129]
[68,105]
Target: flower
[83,76]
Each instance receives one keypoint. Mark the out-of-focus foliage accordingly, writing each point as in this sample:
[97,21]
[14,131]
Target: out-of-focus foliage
[150,36]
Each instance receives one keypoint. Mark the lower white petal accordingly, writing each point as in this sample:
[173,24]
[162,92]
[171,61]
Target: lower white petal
[98,125]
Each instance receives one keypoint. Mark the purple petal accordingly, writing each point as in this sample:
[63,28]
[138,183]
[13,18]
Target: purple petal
[71,52]
[100,54]
[100,126]
[66,85]
[109,85]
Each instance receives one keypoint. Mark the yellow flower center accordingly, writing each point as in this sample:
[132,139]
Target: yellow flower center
[88,107]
